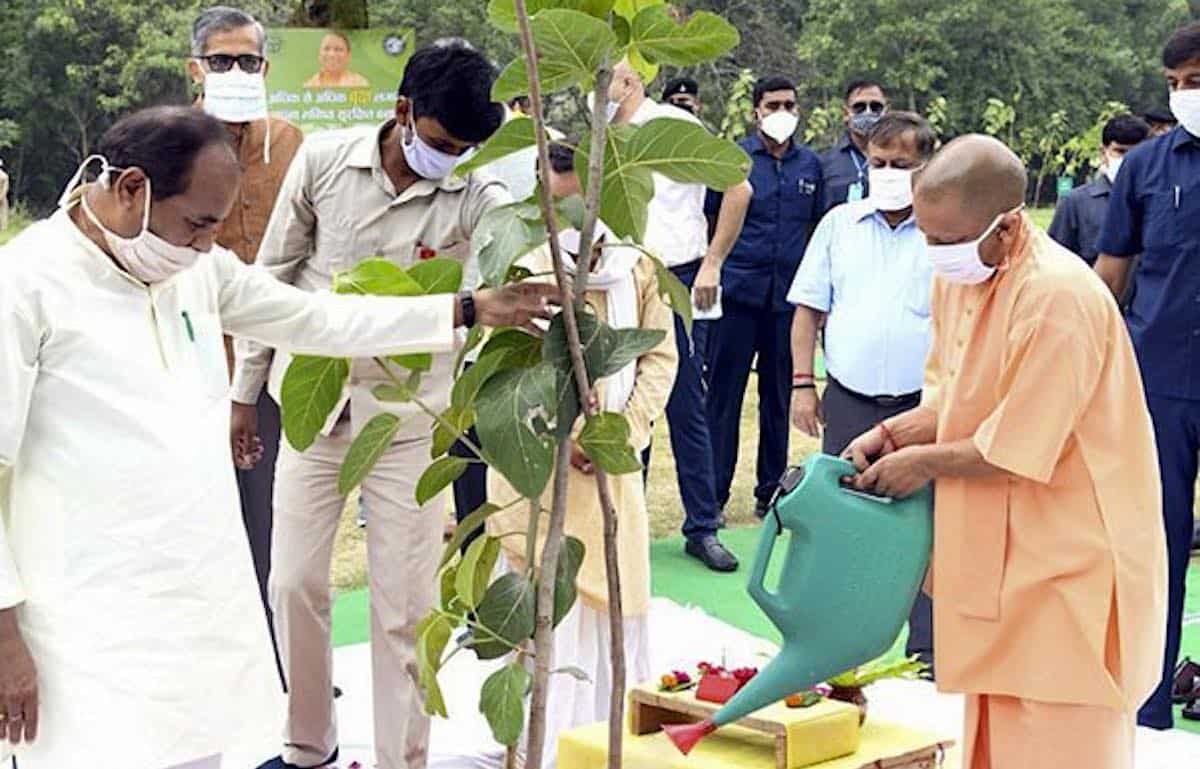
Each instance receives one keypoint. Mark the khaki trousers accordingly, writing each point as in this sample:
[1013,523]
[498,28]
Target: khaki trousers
[1010,733]
[403,551]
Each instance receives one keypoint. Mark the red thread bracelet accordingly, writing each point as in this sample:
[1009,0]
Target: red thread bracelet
[887,436]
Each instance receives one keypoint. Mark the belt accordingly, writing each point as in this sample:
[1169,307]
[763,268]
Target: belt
[886,401]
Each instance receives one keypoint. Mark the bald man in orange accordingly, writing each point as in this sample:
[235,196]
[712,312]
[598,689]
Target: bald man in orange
[1049,553]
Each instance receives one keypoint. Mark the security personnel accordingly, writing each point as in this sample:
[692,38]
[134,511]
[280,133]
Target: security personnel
[757,318]
[844,166]
[1079,217]
[1154,210]
[684,93]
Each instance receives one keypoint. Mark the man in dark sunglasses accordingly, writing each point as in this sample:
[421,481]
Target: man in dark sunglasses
[229,66]
[845,164]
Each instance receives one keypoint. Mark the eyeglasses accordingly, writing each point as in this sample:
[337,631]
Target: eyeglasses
[223,62]
[860,107]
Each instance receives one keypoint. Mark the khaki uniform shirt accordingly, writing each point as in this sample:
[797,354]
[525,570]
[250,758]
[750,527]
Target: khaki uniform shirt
[337,208]
[1050,582]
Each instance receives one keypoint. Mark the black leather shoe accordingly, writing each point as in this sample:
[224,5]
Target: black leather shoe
[1185,686]
[1192,711]
[279,763]
[761,508]
[711,553]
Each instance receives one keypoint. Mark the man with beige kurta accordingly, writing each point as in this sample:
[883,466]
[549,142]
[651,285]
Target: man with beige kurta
[1048,562]
[623,292]
[349,196]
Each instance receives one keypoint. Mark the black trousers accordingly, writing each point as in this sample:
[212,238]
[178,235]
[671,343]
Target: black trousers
[847,416]
[256,489]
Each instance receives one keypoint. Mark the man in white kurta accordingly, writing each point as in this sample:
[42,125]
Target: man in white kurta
[122,555]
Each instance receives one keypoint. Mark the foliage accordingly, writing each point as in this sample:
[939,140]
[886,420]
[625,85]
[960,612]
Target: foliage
[521,395]
[878,671]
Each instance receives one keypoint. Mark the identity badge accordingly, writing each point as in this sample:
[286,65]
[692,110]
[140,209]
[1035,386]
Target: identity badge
[855,192]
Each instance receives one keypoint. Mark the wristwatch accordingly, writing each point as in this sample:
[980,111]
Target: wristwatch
[466,301]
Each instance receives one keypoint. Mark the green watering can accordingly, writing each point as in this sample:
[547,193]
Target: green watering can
[853,568]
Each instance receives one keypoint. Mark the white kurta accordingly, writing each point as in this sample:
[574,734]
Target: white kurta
[122,540]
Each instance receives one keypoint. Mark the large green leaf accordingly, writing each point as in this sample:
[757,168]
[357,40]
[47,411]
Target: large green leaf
[660,40]
[466,387]
[502,13]
[417,362]
[503,236]
[507,610]
[378,277]
[514,136]
[687,153]
[502,702]
[605,439]
[449,595]
[571,46]
[438,276]
[627,189]
[394,393]
[438,476]
[629,9]
[475,570]
[605,350]
[514,348]
[677,149]
[569,561]
[460,419]
[464,528]
[507,412]
[433,634]
[676,295]
[312,387]
[366,450]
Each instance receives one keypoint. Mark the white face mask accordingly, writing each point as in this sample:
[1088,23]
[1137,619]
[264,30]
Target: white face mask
[780,125]
[145,256]
[1112,167]
[891,188]
[235,96]
[428,162]
[611,108]
[961,262]
[1185,106]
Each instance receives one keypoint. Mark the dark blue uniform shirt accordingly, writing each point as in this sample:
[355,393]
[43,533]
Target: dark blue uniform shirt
[782,217]
[1154,210]
[844,170]
[1079,218]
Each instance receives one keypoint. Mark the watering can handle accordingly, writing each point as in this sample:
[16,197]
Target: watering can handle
[767,601]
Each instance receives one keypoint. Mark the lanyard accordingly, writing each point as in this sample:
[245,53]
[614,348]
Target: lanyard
[860,166]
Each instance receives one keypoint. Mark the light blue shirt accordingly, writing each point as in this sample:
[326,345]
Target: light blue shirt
[873,282]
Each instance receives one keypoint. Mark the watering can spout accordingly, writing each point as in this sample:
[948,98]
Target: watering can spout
[685,736]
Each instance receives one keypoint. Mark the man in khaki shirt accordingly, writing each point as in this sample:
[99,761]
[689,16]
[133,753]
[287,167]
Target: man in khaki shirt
[229,63]
[349,196]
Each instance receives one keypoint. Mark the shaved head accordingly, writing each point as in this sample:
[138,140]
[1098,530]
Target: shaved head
[626,89]
[977,174]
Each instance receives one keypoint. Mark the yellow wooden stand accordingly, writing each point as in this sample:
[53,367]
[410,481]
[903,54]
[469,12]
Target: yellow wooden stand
[825,736]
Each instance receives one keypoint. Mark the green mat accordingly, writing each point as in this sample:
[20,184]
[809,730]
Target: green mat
[685,581]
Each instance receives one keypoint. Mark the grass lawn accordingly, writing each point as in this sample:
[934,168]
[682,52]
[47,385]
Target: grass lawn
[17,221]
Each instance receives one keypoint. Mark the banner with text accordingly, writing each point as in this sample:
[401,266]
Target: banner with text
[321,79]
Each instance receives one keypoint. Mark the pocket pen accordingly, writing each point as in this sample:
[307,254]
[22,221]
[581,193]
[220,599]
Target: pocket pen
[187,323]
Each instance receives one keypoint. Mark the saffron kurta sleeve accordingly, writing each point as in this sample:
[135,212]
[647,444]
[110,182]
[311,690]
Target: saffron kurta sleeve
[1050,368]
